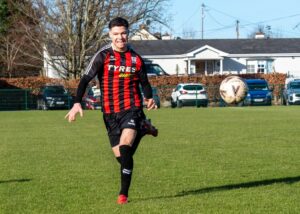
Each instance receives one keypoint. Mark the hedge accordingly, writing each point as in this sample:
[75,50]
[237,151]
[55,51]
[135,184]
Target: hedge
[164,83]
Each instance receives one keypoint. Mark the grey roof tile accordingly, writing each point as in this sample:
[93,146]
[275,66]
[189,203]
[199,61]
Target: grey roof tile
[231,46]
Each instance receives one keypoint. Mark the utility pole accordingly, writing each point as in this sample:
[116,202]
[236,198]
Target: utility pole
[202,21]
[237,29]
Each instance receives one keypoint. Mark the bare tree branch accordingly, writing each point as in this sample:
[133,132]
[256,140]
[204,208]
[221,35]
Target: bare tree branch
[73,29]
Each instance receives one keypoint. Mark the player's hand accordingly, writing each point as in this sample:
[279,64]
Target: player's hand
[71,116]
[150,104]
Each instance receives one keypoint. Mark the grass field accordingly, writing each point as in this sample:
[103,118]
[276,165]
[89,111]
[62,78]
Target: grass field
[206,160]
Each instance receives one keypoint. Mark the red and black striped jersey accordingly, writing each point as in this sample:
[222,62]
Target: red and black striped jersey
[119,74]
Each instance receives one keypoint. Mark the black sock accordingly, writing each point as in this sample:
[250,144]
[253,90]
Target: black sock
[126,168]
[119,159]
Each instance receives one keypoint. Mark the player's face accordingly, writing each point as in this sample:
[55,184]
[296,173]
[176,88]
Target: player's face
[119,37]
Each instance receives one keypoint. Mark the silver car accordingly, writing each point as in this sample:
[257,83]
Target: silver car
[291,93]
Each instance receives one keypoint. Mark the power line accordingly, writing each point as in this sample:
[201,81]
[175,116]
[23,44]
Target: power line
[225,27]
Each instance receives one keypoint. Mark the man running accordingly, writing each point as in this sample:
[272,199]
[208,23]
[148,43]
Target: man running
[120,71]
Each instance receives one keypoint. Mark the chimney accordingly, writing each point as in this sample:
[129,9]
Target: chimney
[259,35]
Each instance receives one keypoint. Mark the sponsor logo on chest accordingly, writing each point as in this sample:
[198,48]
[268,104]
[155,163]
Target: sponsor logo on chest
[122,69]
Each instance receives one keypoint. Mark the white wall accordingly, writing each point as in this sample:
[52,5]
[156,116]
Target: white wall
[287,65]
[207,54]
[52,72]
[169,65]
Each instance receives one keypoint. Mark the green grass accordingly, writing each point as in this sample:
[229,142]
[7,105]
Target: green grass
[206,160]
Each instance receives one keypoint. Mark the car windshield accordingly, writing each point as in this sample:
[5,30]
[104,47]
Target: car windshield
[55,90]
[154,69]
[193,87]
[295,85]
[257,86]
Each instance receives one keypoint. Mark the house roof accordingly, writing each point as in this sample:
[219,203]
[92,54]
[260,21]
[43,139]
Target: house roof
[231,46]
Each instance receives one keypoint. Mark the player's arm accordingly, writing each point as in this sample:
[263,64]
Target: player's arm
[91,71]
[146,88]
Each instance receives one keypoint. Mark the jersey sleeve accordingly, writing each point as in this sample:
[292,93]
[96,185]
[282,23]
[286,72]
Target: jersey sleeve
[146,87]
[91,71]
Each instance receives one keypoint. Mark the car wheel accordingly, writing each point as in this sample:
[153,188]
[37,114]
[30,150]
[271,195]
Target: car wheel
[241,104]
[205,105]
[38,105]
[179,103]
[283,101]
[44,106]
[173,104]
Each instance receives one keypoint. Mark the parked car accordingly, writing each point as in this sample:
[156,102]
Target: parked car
[189,94]
[53,97]
[92,100]
[259,93]
[155,70]
[291,93]
[155,96]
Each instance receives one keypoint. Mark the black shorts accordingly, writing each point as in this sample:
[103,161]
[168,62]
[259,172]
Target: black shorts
[116,122]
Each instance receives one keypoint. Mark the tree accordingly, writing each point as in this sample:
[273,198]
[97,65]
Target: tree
[75,29]
[16,52]
[3,16]
[188,33]
[266,31]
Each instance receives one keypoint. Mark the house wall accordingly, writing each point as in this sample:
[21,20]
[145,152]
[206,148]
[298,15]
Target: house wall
[169,65]
[207,54]
[51,72]
[289,65]
[231,65]
[234,65]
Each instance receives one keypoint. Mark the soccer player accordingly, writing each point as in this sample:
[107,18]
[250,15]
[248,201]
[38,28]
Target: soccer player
[120,71]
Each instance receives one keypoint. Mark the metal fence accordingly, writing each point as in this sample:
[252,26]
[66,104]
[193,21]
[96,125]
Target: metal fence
[26,99]
[17,99]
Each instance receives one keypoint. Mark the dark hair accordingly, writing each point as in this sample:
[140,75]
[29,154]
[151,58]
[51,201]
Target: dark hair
[118,21]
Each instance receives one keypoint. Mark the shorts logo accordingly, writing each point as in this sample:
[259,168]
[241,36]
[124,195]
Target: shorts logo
[131,122]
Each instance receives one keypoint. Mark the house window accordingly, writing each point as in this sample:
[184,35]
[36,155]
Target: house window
[250,68]
[261,66]
[251,64]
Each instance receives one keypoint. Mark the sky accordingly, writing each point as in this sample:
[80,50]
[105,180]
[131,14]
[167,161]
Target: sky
[278,18]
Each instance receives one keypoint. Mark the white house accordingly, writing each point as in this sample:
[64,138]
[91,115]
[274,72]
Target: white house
[223,56]
[217,56]
[143,34]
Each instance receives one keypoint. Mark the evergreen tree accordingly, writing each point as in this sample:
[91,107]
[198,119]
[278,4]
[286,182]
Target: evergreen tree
[4,13]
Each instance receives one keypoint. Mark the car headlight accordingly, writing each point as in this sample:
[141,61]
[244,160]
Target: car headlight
[49,98]
[269,94]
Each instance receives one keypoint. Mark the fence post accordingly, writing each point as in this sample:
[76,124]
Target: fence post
[196,96]
[26,99]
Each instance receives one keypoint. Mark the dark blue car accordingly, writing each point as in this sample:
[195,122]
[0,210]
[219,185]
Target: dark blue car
[259,93]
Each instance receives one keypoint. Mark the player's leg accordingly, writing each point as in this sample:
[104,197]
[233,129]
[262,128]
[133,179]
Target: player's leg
[129,124]
[126,140]
[134,146]
[146,127]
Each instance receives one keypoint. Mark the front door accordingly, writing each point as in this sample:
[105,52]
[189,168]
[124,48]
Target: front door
[200,67]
